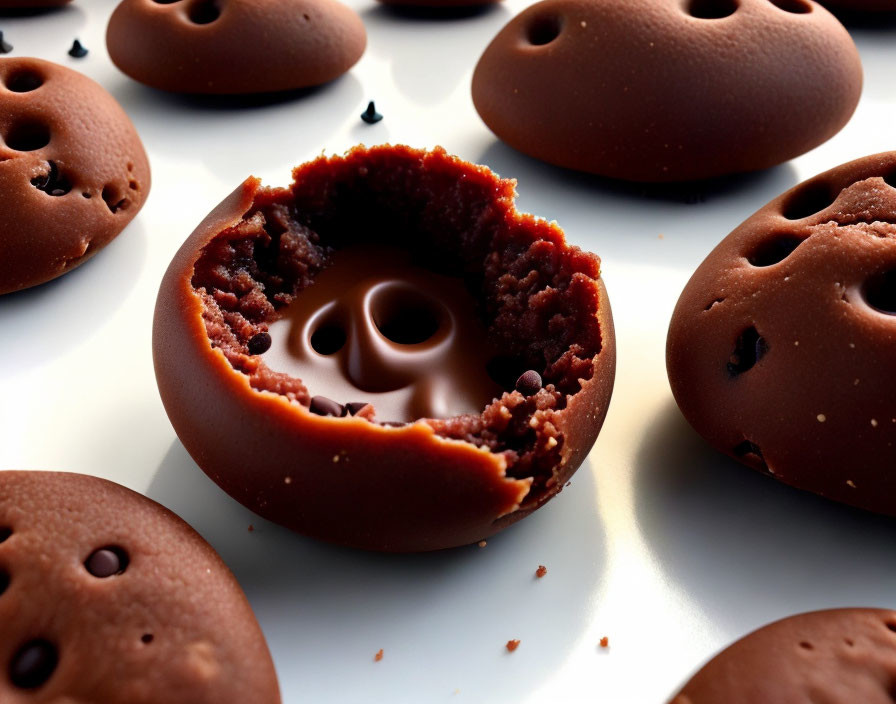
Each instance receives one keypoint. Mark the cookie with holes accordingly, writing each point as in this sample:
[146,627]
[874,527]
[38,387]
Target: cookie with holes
[73,172]
[234,46]
[668,90]
[106,596]
[782,348]
[838,656]
[385,354]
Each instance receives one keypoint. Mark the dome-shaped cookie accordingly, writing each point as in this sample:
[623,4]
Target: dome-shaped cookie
[782,348]
[386,354]
[73,171]
[668,90]
[234,46]
[106,596]
[839,656]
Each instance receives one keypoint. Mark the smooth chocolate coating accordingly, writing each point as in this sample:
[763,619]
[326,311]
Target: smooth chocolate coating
[666,90]
[413,342]
[68,154]
[241,46]
[839,656]
[173,627]
[317,459]
[782,348]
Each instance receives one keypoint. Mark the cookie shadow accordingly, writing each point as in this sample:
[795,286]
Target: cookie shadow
[625,219]
[53,318]
[429,77]
[326,608]
[746,549]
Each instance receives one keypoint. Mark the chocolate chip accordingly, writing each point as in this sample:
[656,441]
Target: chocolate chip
[33,664]
[106,562]
[529,383]
[77,50]
[6,47]
[352,408]
[370,115]
[259,343]
[323,406]
[52,183]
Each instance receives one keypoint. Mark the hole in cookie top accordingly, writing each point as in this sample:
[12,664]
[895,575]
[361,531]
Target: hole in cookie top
[328,339]
[806,645]
[5,532]
[807,200]
[890,178]
[204,12]
[53,183]
[404,320]
[106,562]
[114,198]
[774,250]
[749,349]
[544,29]
[33,664]
[24,81]
[891,625]
[28,136]
[798,7]
[4,580]
[147,638]
[712,9]
[880,292]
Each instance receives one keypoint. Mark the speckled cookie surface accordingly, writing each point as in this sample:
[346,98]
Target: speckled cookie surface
[840,656]
[241,46]
[68,154]
[106,596]
[782,348]
[668,90]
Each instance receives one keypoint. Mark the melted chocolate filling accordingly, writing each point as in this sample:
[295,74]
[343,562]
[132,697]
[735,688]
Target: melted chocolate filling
[411,285]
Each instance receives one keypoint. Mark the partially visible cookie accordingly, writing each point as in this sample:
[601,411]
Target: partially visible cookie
[106,596]
[782,348]
[242,46]
[73,171]
[840,656]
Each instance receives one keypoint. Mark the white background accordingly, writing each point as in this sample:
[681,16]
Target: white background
[660,544]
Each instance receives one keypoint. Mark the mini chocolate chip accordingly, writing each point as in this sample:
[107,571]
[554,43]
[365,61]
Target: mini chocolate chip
[323,406]
[106,562]
[259,343]
[77,50]
[529,383]
[5,46]
[370,115]
[352,407]
[33,664]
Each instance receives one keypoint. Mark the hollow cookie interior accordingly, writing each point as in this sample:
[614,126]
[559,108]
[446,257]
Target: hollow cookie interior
[537,297]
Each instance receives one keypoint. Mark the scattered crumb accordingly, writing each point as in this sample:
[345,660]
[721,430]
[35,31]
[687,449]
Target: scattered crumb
[850,483]
[584,23]
[852,345]
[604,642]
[335,458]
[541,571]
[796,343]
[570,483]
[659,236]
[251,527]
[855,383]
[378,656]
[482,543]
[551,443]
[512,645]
[287,480]
[874,422]
[821,417]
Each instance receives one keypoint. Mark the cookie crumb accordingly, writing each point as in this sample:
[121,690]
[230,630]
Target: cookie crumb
[287,480]
[512,645]
[604,642]
[378,656]
[541,571]
[850,483]
[370,115]
[821,417]
[77,51]
[874,422]
[482,543]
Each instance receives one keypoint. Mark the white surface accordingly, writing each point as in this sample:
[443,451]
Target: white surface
[660,544]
